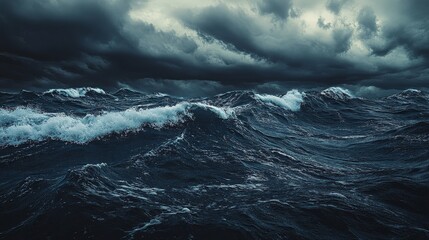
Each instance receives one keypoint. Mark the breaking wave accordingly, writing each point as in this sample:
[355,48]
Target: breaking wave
[75,92]
[337,93]
[26,124]
[292,100]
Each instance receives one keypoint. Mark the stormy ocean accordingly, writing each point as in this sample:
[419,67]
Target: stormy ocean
[87,164]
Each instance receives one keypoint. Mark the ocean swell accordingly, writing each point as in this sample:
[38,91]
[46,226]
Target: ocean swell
[237,165]
[24,124]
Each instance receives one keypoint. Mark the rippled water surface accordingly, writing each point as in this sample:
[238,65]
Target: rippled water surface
[86,164]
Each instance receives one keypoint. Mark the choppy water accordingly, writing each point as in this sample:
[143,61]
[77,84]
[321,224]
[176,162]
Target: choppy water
[86,164]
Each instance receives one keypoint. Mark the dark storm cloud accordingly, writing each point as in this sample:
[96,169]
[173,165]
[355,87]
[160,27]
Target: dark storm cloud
[413,37]
[367,21]
[53,31]
[224,24]
[43,38]
[411,33]
[240,32]
[278,8]
[342,39]
[79,42]
[410,78]
[66,43]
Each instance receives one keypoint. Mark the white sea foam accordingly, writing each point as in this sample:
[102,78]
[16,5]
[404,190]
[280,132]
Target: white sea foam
[291,100]
[75,92]
[26,124]
[160,95]
[335,194]
[97,165]
[337,93]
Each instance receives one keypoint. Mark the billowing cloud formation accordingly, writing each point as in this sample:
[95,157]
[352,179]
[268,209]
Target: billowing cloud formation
[243,43]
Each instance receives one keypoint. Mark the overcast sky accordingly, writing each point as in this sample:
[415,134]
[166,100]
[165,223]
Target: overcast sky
[214,44]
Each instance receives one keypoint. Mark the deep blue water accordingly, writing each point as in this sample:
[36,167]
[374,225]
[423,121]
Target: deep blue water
[85,164]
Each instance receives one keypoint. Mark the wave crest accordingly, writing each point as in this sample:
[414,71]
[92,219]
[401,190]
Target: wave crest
[75,92]
[291,100]
[337,93]
[223,113]
[26,124]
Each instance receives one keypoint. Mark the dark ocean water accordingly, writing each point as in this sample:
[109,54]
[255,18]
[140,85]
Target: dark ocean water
[85,164]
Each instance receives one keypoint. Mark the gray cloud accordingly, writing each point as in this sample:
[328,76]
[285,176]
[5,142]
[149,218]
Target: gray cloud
[81,41]
[155,42]
[335,6]
[367,21]
[413,37]
[220,22]
[279,8]
[322,24]
[408,29]
[342,39]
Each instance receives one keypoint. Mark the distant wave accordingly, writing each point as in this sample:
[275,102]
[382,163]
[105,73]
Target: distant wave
[26,124]
[407,94]
[337,93]
[75,92]
[291,100]
[126,91]
[411,91]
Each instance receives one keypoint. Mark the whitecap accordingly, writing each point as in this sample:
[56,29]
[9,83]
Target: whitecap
[160,95]
[75,92]
[335,194]
[412,90]
[90,165]
[26,124]
[337,93]
[292,100]
[29,124]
